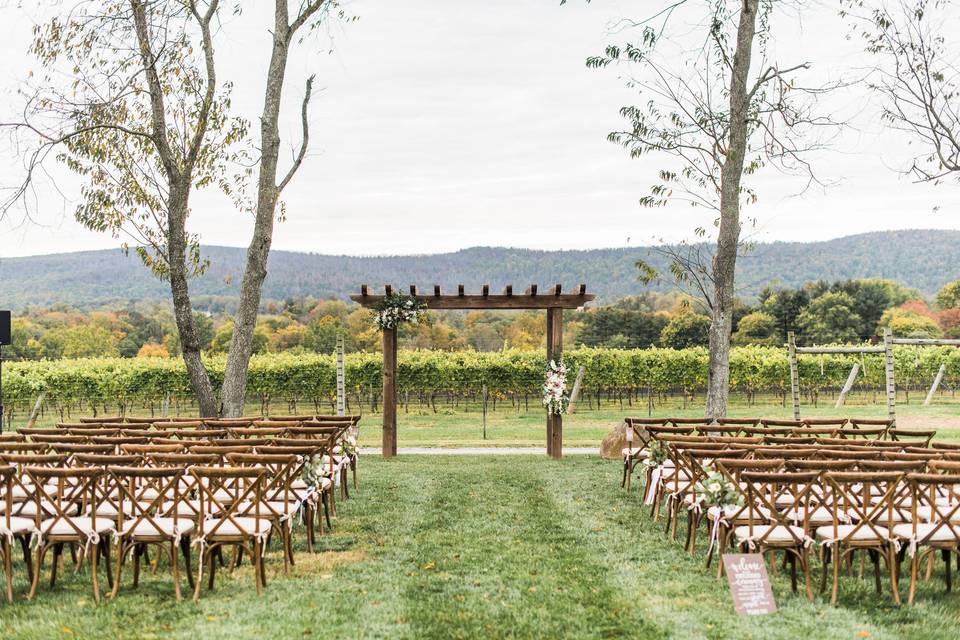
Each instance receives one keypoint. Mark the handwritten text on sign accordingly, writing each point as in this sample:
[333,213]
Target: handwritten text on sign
[749,583]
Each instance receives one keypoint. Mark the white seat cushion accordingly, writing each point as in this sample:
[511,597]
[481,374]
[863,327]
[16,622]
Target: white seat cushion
[187,508]
[846,532]
[156,527]
[777,533]
[926,532]
[17,526]
[267,507]
[761,514]
[236,526]
[816,516]
[62,527]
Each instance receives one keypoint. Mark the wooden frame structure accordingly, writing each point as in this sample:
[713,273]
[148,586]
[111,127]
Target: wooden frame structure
[886,349]
[553,300]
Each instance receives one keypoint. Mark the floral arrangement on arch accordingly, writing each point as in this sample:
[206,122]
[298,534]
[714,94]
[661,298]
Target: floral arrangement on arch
[716,490]
[395,309]
[555,398]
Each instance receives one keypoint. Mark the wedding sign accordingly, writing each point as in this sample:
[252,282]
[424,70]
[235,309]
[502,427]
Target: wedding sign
[749,584]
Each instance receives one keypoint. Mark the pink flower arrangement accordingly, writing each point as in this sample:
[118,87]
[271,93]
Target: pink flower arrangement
[554,388]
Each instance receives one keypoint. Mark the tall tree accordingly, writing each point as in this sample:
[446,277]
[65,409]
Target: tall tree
[144,122]
[718,117]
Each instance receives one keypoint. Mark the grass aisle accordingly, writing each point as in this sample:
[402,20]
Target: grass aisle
[468,547]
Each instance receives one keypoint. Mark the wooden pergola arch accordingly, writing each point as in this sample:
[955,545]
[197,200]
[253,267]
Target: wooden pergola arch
[553,300]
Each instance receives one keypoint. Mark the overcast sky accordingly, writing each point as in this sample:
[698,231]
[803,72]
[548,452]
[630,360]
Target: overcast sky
[448,124]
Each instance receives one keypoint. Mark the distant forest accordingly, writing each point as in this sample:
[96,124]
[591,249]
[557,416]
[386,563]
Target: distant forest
[921,260]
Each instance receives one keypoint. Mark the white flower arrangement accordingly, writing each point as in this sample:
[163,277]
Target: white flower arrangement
[657,454]
[314,471]
[554,389]
[395,309]
[716,490]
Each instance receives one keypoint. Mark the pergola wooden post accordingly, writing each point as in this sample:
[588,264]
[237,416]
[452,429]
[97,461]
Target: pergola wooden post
[554,301]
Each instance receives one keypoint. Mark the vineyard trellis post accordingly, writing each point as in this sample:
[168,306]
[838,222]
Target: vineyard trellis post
[341,378]
[553,300]
[888,375]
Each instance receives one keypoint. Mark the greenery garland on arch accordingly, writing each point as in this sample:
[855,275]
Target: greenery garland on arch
[395,309]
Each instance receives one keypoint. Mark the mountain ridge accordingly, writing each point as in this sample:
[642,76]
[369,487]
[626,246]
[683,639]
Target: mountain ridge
[924,259]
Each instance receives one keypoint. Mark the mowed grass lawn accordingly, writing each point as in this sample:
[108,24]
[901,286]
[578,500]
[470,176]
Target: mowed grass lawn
[479,547]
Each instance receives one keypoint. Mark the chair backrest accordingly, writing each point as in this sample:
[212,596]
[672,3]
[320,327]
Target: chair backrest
[792,424]
[242,485]
[181,459]
[825,422]
[198,434]
[738,422]
[792,441]
[56,437]
[866,499]
[58,491]
[105,460]
[865,433]
[921,435]
[146,449]
[101,420]
[819,464]
[879,422]
[118,440]
[785,452]
[765,489]
[930,490]
[141,493]
[282,470]
[23,447]
[946,446]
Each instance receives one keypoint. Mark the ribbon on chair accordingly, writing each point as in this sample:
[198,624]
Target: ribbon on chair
[653,484]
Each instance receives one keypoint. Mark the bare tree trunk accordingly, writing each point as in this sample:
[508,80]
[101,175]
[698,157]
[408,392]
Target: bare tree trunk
[728,239]
[182,307]
[268,192]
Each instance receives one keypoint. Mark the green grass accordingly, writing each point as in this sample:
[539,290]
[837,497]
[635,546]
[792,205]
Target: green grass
[468,547]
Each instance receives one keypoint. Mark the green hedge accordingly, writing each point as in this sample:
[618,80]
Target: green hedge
[753,369]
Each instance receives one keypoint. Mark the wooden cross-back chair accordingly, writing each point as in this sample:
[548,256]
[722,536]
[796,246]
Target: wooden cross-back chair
[778,531]
[723,519]
[280,503]
[317,500]
[941,531]
[143,493]
[228,527]
[864,507]
[696,464]
[72,490]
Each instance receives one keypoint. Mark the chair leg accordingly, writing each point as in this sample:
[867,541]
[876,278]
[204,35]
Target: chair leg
[213,571]
[116,578]
[353,468]
[328,506]
[837,561]
[57,552]
[7,569]
[105,554]
[947,577]
[875,557]
[175,570]
[28,557]
[185,550]
[805,559]
[824,560]
[893,565]
[204,557]
[257,560]
[137,552]
[792,558]
[914,571]
[94,556]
